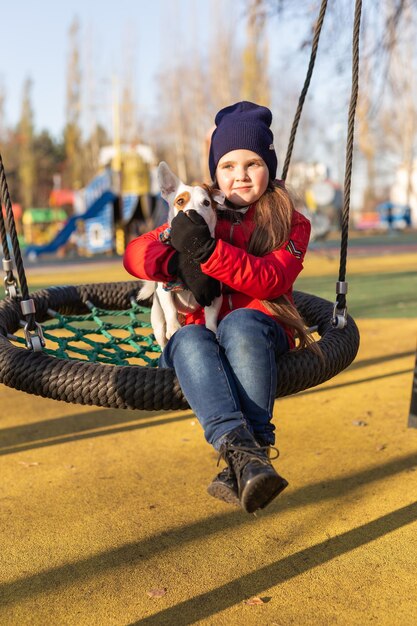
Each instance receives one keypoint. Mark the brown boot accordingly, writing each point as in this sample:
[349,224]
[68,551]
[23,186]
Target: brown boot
[249,478]
[224,487]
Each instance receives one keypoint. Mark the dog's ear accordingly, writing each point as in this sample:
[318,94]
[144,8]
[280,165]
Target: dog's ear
[218,196]
[168,182]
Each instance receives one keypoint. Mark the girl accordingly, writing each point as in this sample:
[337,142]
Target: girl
[230,378]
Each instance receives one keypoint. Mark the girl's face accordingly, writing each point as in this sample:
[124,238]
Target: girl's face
[243,176]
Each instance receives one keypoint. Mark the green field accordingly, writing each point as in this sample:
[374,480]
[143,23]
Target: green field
[381,295]
[370,295]
[379,286]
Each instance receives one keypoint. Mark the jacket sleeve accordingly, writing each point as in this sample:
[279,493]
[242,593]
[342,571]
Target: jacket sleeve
[147,257]
[263,278]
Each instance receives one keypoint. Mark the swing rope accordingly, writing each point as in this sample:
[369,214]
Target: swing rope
[33,332]
[341,297]
[304,90]
[339,318]
[6,201]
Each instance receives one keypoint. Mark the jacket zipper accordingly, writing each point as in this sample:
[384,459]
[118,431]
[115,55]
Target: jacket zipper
[232,227]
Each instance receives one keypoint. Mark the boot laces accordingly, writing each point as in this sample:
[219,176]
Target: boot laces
[240,460]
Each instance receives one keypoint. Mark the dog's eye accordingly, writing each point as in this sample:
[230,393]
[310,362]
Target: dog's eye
[180,201]
[206,202]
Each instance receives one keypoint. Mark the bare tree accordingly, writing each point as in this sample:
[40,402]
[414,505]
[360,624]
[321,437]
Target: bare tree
[197,86]
[72,133]
[400,119]
[255,84]
[92,143]
[225,60]
[367,133]
[129,131]
[2,111]
[386,114]
[26,155]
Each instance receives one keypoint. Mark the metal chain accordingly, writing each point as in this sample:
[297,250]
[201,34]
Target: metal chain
[6,201]
[10,284]
[4,242]
[349,148]
[303,94]
[339,319]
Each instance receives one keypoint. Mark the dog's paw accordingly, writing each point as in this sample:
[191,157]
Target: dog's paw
[161,339]
[172,328]
[211,325]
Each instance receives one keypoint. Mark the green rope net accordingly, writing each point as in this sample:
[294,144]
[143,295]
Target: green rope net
[112,337]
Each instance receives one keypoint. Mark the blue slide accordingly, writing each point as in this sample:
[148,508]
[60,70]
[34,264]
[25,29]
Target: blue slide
[64,234]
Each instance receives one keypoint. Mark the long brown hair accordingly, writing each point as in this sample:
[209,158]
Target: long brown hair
[273,217]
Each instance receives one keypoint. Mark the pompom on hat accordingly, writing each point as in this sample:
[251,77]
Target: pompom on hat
[243,126]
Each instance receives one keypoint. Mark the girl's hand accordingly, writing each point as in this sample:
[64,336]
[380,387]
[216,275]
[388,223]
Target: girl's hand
[191,236]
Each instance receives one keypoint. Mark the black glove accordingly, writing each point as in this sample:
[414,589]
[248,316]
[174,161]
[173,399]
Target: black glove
[190,235]
[204,288]
[173,264]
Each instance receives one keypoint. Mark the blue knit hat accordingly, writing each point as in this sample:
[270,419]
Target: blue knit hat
[243,126]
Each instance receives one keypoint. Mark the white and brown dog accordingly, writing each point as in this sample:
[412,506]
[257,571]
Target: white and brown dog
[167,303]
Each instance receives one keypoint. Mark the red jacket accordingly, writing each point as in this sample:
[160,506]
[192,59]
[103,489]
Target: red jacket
[246,279]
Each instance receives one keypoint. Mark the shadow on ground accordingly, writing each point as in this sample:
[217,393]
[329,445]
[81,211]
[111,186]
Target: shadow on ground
[227,595]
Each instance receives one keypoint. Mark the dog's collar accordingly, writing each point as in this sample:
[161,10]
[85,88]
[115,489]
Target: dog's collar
[165,235]
[242,209]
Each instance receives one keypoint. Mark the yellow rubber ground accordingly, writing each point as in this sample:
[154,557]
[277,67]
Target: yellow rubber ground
[105,518]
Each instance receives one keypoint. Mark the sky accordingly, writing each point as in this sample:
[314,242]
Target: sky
[35,44]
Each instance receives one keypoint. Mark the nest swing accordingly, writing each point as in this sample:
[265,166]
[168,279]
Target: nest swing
[124,385]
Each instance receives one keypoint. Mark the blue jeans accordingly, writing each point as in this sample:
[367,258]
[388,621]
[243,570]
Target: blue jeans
[229,378]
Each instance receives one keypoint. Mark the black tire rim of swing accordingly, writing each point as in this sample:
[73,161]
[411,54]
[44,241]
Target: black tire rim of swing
[137,387]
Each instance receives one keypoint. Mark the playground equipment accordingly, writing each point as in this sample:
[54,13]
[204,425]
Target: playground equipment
[90,229]
[107,212]
[394,216]
[148,387]
[387,216]
[41,225]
